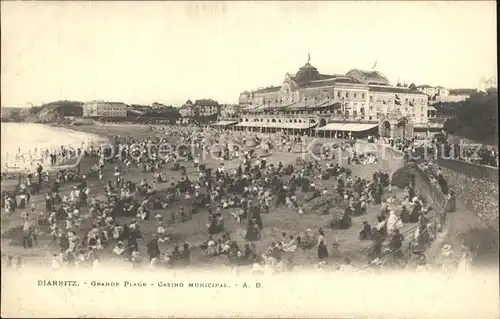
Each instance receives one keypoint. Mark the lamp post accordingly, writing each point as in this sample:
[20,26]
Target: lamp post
[403,122]
[343,106]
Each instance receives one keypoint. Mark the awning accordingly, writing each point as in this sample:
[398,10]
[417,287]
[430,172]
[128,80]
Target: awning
[277,125]
[300,126]
[350,127]
[223,123]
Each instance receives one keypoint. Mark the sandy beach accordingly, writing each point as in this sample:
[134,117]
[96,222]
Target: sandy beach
[279,220]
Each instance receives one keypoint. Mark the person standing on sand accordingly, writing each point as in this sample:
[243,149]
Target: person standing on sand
[19,264]
[322,249]
[56,263]
[153,249]
[9,262]
[39,171]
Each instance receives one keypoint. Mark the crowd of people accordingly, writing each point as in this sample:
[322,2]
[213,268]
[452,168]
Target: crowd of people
[87,227]
[26,162]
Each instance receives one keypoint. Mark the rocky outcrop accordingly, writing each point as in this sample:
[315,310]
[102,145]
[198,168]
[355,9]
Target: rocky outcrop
[54,112]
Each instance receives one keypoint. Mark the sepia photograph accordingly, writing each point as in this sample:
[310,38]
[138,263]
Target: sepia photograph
[249,159]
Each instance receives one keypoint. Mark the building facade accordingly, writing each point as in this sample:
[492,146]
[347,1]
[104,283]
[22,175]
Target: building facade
[359,102]
[104,109]
[206,110]
[434,92]
[186,110]
[228,111]
[450,98]
[428,90]
[190,109]
[202,111]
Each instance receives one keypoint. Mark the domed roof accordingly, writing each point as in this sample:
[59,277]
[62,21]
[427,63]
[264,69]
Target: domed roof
[306,74]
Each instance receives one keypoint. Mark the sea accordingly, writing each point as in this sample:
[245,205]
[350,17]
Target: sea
[23,144]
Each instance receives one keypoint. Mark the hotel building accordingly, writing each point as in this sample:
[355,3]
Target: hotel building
[194,110]
[104,109]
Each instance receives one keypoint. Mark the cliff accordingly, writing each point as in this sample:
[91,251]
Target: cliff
[53,112]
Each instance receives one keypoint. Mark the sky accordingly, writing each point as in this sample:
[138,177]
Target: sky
[168,52]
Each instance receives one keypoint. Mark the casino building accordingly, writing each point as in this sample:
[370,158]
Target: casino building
[359,103]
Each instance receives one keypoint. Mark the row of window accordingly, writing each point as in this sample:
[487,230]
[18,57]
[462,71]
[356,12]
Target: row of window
[111,113]
[281,121]
[340,94]
[347,95]
[208,110]
[105,106]
[390,100]
[361,111]
[276,101]
[347,114]
[274,120]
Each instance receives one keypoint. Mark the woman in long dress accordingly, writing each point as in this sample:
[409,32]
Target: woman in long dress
[251,234]
[322,249]
[465,261]
[391,223]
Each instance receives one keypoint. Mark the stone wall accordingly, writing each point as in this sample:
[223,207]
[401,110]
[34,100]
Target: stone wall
[483,172]
[476,188]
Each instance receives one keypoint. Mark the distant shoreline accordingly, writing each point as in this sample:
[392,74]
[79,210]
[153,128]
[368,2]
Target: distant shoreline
[94,138]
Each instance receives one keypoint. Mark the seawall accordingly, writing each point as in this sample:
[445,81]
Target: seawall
[476,187]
